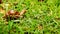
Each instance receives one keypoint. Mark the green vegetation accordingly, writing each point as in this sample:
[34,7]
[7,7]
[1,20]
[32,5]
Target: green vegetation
[40,18]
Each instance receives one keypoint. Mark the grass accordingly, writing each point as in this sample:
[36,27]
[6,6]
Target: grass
[40,18]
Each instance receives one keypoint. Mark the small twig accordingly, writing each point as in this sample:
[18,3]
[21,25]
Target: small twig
[22,12]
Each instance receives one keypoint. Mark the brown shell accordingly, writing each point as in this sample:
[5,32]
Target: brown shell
[12,14]
[0,1]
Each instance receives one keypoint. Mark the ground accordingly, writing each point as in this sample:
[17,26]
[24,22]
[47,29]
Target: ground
[42,17]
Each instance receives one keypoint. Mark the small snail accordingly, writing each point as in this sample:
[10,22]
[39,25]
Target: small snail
[0,1]
[13,15]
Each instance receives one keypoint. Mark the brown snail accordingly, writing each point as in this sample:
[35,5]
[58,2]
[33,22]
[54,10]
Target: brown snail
[0,1]
[13,15]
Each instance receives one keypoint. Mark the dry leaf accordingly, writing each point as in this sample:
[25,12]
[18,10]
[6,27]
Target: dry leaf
[2,11]
[40,27]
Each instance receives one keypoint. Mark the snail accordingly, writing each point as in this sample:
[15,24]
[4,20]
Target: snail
[13,15]
[0,1]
